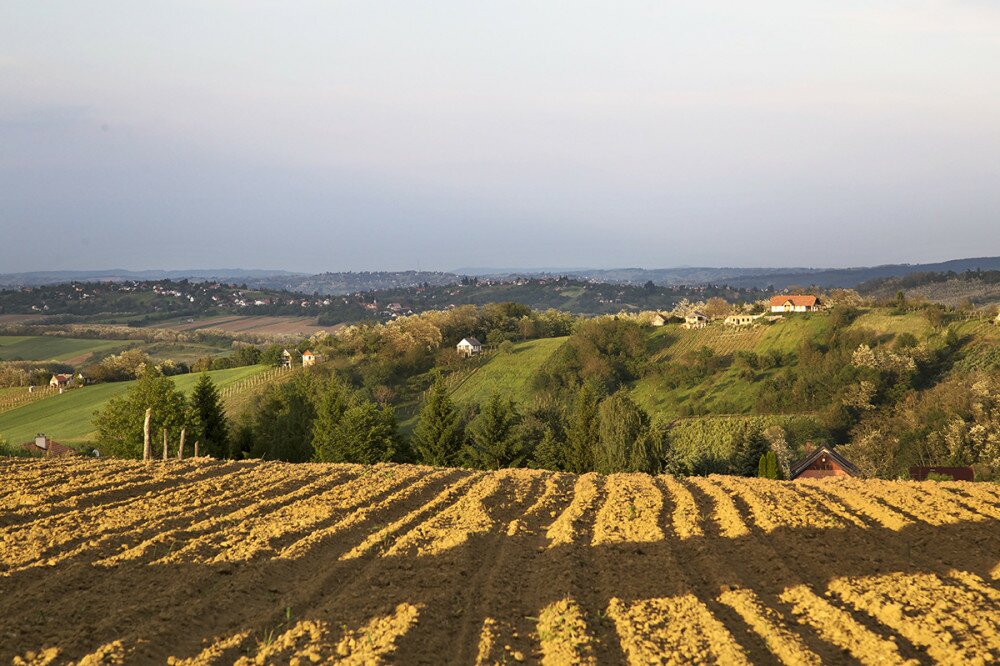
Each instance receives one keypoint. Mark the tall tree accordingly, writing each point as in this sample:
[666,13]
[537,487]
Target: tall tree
[496,439]
[582,434]
[550,452]
[329,411]
[208,418]
[365,434]
[120,424]
[283,421]
[624,442]
[438,437]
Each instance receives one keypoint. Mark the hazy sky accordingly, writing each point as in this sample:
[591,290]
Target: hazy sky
[360,135]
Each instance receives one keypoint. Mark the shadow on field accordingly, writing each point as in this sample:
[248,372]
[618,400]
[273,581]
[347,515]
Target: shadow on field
[159,610]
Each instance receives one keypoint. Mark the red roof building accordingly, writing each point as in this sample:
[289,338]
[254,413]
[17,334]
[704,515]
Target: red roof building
[44,446]
[822,462]
[794,303]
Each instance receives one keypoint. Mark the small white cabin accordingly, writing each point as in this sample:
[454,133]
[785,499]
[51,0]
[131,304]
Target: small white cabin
[695,320]
[469,347]
[741,320]
[309,358]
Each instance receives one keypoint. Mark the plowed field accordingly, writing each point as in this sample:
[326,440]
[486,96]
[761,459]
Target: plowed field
[205,561]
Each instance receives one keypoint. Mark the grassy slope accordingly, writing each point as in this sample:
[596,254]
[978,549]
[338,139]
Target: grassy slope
[51,348]
[67,418]
[507,374]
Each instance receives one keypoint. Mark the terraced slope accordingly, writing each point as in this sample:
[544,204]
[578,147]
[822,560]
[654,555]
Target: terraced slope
[201,561]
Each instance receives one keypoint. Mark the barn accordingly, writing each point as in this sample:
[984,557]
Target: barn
[822,462]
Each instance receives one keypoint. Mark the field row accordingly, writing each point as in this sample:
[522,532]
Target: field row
[204,561]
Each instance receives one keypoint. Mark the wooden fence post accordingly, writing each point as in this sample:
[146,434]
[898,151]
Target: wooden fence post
[180,447]
[146,449]
[164,443]
[196,448]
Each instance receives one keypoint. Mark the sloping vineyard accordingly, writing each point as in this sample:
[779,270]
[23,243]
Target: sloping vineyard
[214,562]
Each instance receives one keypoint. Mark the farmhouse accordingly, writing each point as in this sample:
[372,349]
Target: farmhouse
[469,347]
[286,359]
[44,446]
[309,358]
[61,381]
[821,463]
[659,319]
[695,320]
[741,319]
[794,303]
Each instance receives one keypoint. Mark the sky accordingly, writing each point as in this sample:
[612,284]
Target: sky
[329,136]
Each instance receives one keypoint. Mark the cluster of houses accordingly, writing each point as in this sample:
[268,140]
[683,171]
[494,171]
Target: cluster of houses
[779,306]
[309,358]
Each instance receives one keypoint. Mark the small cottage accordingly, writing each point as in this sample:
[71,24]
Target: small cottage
[659,319]
[61,381]
[795,303]
[286,359]
[469,347]
[43,446]
[695,320]
[822,462]
[309,358]
[741,320]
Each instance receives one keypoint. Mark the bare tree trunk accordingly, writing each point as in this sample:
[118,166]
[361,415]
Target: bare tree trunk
[196,448]
[180,448]
[164,443]
[146,448]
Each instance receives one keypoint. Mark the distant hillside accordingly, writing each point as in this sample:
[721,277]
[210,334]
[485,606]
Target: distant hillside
[328,284]
[40,278]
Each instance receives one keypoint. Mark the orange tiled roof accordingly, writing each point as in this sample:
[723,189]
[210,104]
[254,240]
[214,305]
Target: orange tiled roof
[798,301]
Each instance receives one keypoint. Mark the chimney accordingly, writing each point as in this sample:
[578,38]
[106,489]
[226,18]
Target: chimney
[41,441]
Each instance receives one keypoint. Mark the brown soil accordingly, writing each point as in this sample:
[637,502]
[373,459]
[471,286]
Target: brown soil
[211,562]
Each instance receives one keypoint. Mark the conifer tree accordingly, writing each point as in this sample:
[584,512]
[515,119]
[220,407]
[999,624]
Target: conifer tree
[209,418]
[762,467]
[496,440]
[365,434]
[624,442]
[549,454]
[438,437]
[330,410]
[582,433]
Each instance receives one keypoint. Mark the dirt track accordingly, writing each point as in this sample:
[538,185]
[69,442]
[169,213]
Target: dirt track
[218,562]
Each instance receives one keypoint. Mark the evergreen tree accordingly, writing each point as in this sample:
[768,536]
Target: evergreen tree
[437,439]
[208,418]
[549,454]
[750,444]
[762,467]
[283,421]
[496,440]
[624,442]
[329,412]
[120,424]
[582,434]
[364,434]
[768,466]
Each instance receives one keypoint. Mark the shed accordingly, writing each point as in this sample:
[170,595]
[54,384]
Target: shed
[469,347]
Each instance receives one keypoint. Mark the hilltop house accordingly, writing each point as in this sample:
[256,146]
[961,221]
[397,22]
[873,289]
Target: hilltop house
[469,347]
[309,358]
[286,359]
[822,462]
[695,320]
[659,319]
[61,381]
[741,319]
[794,303]
[44,446]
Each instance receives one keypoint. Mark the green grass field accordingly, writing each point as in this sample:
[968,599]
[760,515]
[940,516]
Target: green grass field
[67,418]
[507,374]
[52,348]
[886,322]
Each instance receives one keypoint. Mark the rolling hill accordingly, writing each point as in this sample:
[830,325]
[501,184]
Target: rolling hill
[67,418]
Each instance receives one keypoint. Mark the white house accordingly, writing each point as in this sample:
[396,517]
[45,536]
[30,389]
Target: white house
[309,358]
[659,319]
[695,320]
[286,359]
[469,347]
[741,319]
[61,381]
[797,303]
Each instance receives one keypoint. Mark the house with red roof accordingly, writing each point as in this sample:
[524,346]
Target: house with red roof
[794,303]
[43,446]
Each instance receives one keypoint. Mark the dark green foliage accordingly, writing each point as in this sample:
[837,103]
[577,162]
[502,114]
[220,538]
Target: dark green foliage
[496,440]
[768,467]
[750,445]
[365,434]
[208,419]
[550,453]
[438,437]
[283,420]
[330,408]
[120,424]
[583,432]
[625,442]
